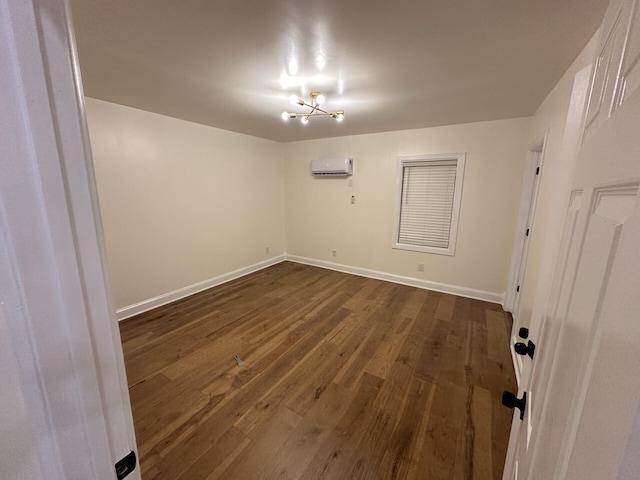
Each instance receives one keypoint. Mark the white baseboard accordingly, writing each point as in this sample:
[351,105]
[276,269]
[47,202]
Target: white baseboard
[169,297]
[413,282]
[183,292]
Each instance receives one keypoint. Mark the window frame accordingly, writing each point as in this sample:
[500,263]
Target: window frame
[412,160]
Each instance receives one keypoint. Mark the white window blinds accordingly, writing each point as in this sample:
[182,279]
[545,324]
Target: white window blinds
[427,202]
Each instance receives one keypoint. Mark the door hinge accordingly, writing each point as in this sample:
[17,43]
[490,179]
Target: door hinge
[527,232]
[126,465]
[537,170]
[517,288]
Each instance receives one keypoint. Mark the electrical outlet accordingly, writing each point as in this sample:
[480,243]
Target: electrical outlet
[334,253]
[421,267]
[267,250]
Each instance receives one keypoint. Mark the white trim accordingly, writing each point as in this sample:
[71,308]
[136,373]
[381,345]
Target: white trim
[526,215]
[189,290]
[517,359]
[413,282]
[460,159]
[164,299]
[58,312]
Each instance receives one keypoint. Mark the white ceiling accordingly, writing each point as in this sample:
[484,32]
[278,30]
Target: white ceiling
[389,65]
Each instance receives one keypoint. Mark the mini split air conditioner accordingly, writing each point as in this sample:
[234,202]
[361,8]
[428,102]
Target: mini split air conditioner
[337,167]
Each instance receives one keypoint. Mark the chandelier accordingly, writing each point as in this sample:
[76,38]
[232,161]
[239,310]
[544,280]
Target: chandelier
[317,99]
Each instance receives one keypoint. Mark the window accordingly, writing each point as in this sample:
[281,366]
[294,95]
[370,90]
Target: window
[429,191]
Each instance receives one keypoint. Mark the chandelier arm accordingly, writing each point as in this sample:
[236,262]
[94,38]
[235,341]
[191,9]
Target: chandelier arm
[315,111]
[316,114]
[314,108]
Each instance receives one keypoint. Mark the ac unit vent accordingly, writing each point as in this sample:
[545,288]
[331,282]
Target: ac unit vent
[337,167]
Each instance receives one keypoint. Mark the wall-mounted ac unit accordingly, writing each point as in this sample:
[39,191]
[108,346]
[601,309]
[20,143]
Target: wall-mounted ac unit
[336,167]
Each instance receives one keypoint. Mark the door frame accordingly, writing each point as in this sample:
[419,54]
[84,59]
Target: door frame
[520,251]
[54,292]
[526,215]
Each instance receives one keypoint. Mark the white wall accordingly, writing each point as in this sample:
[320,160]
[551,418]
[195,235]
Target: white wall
[320,218]
[553,196]
[181,202]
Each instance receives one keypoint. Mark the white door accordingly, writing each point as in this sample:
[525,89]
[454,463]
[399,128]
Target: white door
[64,352]
[584,389]
[525,220]
[535,371]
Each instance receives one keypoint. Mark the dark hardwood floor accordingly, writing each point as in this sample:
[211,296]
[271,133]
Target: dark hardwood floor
[345,377]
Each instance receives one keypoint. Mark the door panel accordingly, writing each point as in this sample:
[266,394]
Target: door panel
[612,353]
[536,373]
[600,87]
[548,357]
[630,72]
[584,375]
[561,294]
[606,88]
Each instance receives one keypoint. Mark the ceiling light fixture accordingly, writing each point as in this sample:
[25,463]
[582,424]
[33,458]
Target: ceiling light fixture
[317,99]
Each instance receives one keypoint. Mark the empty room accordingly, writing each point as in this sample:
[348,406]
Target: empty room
[331,240]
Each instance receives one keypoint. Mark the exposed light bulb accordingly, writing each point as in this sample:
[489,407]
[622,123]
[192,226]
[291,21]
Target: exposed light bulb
[321,61]
[293,67]
[314,103]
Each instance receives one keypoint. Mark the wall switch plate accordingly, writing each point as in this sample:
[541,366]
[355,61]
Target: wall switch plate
[421,267]
[334,253]
[267,250]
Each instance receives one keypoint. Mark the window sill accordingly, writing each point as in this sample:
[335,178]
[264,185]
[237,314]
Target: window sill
[418,248]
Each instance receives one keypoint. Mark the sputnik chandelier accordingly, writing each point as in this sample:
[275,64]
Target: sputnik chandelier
[317,99]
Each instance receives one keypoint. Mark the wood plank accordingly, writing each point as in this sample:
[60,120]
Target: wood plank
[333,458]
[480,423]
[165,415]
[229,408]
[344,377]
[384,357]
[382,321]
[259,452]
[214,357]
[393,393]
[288,391]
[159,357]
[445,430]
[293,457]
[445,307]
[429,364]
[182,463]
[400,452]
[496,337]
